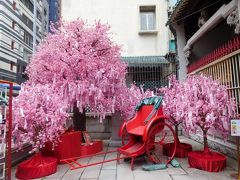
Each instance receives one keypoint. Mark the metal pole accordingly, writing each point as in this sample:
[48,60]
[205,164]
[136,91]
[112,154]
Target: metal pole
[9,139]
[34,24]
[238,156]
[238,9]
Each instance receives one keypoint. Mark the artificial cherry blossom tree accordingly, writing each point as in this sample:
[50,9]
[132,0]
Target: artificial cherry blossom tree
[129,98]
[172,107]
[39,116]
[207,106]
[173,102]
[84,65]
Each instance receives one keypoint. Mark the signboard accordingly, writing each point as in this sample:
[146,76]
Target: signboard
[235,127]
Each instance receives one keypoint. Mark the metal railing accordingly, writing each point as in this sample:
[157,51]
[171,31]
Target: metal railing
[227,48]
[227,71]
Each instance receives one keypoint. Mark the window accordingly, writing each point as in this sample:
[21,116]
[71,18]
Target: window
[39,16]
[19,48]
[11,66]
[26,55]
[45,12]
[14,5]
[27,21]
[28,39]
[28,4]
[39,32]
[12,45]
[147,18]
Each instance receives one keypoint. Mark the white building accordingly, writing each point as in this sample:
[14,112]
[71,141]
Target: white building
[138,25]
[20,30]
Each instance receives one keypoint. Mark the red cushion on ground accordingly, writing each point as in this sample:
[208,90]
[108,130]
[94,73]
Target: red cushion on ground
[36,167]
[182,149]
[68,147]
[212,161]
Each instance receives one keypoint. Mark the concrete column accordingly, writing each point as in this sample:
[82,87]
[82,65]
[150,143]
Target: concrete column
[181,42]
[34,24]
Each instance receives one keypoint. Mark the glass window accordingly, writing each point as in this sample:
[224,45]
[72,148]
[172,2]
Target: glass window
[26,55]
[27,21]
[11,66]
[28,39]
[45,12]
[147,18]
[39,16]
[28,4]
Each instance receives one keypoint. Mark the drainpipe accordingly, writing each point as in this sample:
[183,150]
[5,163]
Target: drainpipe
[34,24]
[239,10]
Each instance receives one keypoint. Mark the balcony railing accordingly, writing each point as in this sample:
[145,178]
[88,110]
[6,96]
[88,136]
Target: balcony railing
[225,49]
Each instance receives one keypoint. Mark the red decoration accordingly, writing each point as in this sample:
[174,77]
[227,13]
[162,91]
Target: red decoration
[208,161]
[225,49]
[36,167]
[69,145]
[147,132]
[182,149]
[92,148]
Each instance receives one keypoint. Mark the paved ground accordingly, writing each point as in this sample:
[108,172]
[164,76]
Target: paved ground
[122,171]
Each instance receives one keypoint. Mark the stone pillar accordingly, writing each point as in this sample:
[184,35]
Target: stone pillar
[181,43]
[117,120]
[97,129]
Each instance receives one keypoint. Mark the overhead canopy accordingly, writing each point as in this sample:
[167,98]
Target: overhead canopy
[144,60]
[186,8]
[155,100]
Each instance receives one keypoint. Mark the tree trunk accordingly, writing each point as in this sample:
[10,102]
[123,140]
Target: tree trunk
[177,138]
[205,141]
[79,119]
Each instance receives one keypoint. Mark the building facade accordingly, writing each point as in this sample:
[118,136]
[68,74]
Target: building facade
[208,42]
[23,23]
[138,26]
[54,10]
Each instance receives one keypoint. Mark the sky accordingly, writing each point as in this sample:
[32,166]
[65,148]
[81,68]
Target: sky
[172,2]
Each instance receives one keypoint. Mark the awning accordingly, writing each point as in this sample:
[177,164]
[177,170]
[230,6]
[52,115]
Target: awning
[144,60]
[178,10]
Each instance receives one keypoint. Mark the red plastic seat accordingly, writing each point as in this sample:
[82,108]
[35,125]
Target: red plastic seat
[137,131]
[137,124]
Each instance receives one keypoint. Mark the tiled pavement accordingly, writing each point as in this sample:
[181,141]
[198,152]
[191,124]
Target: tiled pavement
[122,171]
